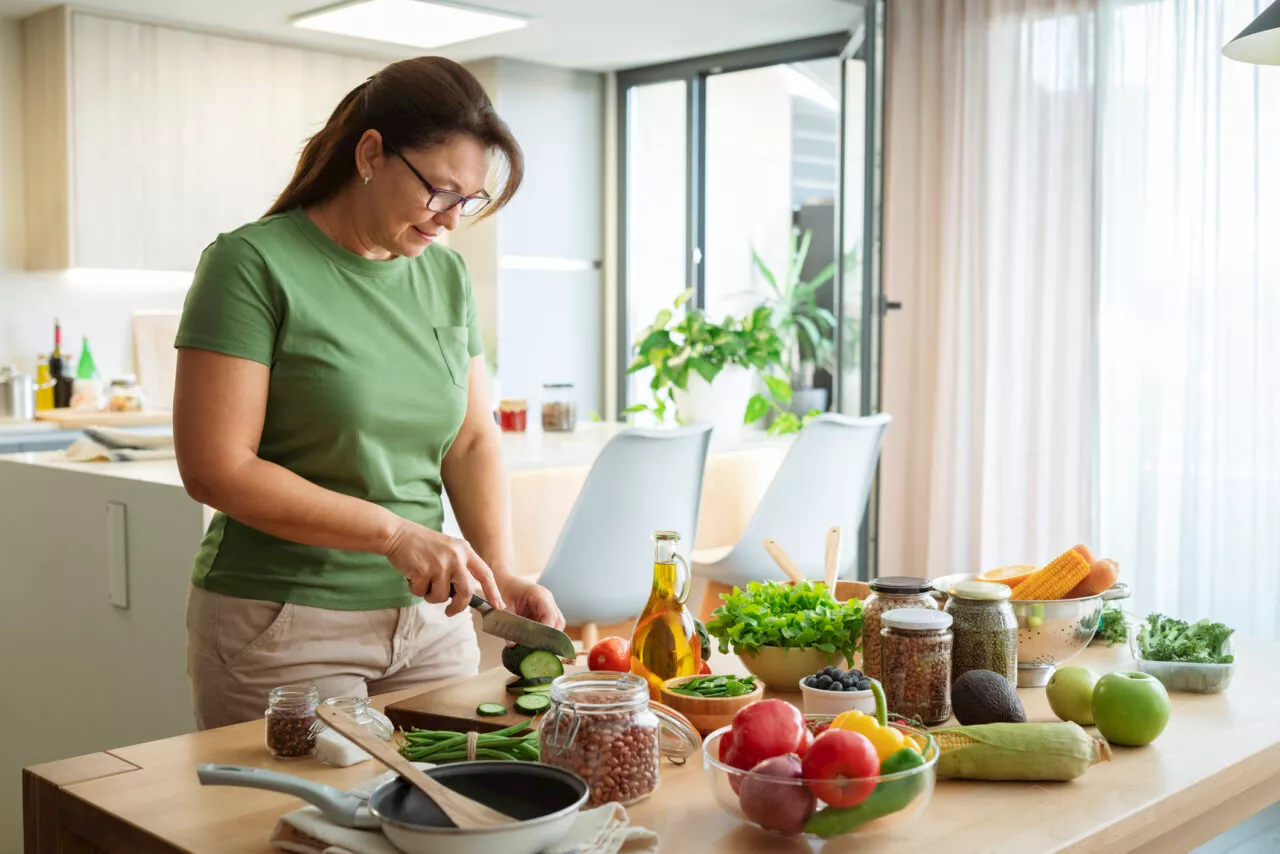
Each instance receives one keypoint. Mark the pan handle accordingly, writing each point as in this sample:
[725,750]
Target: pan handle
[338,806]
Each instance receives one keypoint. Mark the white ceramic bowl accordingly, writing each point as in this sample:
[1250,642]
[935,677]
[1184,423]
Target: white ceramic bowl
[820,702]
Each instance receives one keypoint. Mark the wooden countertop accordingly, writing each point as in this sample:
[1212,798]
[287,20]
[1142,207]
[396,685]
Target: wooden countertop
[1217,764]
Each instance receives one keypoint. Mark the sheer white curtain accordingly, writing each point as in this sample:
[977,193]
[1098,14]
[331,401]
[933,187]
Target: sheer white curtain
[1189,283]
[989,243]
[1083,219]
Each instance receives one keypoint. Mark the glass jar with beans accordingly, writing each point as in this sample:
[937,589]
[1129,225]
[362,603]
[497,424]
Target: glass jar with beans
[601,727]
[888,594]
[915,658]
[291,721]
[984,629]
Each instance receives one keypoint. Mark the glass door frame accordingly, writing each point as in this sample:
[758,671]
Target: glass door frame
[694,72]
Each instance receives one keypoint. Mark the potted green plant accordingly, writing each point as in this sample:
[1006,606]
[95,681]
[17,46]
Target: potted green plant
[807,329]
[784,632]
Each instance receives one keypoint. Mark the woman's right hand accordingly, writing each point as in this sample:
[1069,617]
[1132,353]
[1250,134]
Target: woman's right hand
[431,561]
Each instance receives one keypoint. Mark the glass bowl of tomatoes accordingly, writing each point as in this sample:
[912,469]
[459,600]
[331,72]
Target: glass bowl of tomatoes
[829,786]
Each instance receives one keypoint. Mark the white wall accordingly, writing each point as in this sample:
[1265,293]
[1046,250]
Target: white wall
[29,302]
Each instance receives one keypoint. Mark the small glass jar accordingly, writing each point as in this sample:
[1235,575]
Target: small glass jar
[915,658]
[984,629]
[125,395]
[559,408]
[513,416]
[291,721]
[888,594]
[600,726]
[360,709]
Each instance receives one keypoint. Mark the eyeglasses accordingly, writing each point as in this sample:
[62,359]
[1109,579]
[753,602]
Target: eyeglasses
[443,201]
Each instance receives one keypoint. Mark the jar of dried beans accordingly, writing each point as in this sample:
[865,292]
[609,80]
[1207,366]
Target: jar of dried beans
[600,726]
[291,721]
[984,628]
[889,594]
[915,663]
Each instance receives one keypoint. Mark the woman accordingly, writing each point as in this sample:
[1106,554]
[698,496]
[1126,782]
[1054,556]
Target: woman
[330,383]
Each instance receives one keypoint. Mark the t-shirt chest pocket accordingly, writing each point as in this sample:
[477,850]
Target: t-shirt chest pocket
[453,348]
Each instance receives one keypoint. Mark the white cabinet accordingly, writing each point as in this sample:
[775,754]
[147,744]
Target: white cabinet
[144,141]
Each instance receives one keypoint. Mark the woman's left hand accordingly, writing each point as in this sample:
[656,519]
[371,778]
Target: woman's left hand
[531,600]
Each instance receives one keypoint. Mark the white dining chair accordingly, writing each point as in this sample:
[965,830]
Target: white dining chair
[823,482]
[601,569]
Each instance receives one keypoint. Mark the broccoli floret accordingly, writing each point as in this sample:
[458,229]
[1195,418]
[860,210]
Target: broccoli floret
[1166,639]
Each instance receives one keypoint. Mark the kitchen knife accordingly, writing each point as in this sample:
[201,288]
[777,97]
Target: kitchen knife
[513,627]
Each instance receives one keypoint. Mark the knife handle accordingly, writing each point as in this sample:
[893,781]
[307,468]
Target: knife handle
[479,604]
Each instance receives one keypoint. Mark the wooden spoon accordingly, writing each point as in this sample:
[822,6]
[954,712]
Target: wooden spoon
[784,561]
[832,564]
[461,810]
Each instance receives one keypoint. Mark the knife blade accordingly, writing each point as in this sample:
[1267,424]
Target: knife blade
[526,632]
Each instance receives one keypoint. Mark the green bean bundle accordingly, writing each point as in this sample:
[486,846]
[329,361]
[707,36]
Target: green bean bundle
[517,743]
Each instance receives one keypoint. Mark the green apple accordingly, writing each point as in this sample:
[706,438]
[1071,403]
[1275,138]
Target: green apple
[1130,708]
[1070,693]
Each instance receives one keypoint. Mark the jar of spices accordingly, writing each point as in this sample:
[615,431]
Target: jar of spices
[888,594]
[291,721]
[513,416]
[915,658]
[600,726]
[984,628]
[559,408]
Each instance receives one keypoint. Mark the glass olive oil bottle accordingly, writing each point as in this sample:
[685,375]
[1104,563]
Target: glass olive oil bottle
[665,642]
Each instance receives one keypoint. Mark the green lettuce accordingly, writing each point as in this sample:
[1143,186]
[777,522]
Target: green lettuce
[792,616]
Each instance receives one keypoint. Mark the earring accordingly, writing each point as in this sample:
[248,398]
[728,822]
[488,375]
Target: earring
[366,178]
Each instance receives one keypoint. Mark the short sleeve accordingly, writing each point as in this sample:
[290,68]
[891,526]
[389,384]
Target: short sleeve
[475,344]
[233,306]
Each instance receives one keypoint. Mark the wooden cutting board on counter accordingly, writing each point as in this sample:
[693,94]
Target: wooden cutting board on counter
[453,707]
[72,419]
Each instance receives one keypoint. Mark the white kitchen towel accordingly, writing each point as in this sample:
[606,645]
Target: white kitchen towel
[603,830]
[104,444]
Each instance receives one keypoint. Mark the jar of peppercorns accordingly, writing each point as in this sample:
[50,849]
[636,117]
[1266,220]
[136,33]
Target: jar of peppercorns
[915,664]
[601,727]
[291,721]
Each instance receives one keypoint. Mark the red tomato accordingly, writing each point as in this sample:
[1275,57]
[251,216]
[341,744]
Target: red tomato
[842,760]
[821,728]
[766,729]
[705,668]
[611,654]
[805,743]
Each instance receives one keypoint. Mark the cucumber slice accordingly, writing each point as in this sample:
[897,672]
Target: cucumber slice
[538,689]
[491,710]
[541,663]
[521,685]
[512,656]
[531,704]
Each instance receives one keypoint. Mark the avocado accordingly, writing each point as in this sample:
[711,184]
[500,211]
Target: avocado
[985,697]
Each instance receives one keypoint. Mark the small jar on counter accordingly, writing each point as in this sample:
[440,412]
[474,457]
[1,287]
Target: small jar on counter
[984,629]
[124,395]
[600,727]
[915,660]
[559,408]
[333,748]
[889,594]
[513,416]
[291,721]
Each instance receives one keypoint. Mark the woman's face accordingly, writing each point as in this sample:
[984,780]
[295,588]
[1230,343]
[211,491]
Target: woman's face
[401,222]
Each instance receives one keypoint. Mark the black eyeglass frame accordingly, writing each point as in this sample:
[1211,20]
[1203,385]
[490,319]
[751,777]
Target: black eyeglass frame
[458,198]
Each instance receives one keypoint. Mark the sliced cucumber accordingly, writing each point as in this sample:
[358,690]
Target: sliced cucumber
[521,685]
[491,710]
[538,689]
[541,663]
[531,704]
[512,656]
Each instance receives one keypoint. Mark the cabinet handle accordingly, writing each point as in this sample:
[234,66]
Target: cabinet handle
[117,556]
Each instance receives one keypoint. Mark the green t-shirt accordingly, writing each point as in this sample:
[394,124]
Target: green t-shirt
[368,389]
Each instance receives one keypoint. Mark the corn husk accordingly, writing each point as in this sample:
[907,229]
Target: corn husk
[1053,751]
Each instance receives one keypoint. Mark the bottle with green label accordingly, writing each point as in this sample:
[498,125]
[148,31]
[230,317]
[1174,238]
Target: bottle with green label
[87,393]
[86,370]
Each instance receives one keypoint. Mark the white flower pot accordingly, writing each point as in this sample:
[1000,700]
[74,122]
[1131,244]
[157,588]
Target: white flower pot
[721,403]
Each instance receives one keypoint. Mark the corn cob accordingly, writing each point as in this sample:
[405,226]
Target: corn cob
[1056,751]
[1055,580]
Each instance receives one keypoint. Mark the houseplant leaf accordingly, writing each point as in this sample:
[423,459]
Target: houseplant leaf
[779,388]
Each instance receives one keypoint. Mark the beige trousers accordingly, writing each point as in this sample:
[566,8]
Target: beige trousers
[239,649]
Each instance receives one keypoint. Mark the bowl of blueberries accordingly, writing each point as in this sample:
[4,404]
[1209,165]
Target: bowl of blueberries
[831,691]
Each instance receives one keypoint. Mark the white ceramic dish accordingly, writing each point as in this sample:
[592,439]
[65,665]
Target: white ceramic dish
[820,702]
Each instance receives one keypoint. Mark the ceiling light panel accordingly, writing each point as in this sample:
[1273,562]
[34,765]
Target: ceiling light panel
[414,23]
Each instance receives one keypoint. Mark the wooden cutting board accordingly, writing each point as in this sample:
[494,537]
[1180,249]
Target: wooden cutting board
[71,419]
[454,707]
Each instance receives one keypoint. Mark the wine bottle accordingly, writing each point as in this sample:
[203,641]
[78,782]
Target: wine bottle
[60,370]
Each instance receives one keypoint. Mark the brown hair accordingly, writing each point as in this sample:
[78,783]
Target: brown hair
[413,103]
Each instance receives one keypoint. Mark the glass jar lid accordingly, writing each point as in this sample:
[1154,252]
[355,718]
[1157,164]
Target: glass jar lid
[988,591]
[916,620]
[513,405]
[900,585]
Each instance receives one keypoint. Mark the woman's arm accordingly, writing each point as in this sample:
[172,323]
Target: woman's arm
[477,485]
[219,405]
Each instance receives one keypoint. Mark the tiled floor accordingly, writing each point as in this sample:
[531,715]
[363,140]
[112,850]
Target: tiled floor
[1258,835]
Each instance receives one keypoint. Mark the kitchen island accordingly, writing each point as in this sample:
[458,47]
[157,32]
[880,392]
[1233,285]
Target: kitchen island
[1217,764]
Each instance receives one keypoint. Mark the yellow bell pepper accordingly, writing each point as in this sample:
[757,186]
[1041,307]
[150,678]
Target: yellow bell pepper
[886,740]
